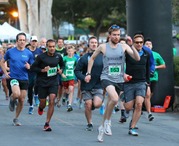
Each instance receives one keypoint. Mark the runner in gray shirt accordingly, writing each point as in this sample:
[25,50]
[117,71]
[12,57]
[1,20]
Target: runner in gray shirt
[112,75]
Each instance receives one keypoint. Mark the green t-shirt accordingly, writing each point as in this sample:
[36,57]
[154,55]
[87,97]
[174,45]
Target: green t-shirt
[68,71]
[158,61]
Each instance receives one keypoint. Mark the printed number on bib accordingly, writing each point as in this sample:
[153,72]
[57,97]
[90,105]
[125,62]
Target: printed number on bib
[114,70]
[14,82]
[52,71]
[69,72]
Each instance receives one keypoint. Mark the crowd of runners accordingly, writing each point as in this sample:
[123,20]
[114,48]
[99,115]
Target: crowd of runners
[46,71]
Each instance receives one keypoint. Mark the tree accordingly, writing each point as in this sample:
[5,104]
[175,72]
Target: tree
[97,10]
[175,11]
[35,17]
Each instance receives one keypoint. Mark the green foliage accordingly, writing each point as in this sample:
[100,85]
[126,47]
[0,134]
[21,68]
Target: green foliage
[91,14]
[176,70]
[175,11]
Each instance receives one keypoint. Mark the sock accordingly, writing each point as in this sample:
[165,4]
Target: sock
[122,112]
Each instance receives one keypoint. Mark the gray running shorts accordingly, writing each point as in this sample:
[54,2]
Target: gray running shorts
[90,94]
[131,90]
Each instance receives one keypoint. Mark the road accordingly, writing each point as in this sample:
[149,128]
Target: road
[69,129]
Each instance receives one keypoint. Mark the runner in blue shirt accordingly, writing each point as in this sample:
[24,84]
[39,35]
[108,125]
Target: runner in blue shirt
[19,59]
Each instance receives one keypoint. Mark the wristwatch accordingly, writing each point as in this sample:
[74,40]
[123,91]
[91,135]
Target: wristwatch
[88,73]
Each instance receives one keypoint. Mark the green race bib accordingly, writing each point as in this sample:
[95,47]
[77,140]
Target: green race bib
[52,71]
[114,70]
[14,82]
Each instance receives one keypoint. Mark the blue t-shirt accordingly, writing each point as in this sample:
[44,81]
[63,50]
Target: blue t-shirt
[35,53]
[152,61]
[17,60]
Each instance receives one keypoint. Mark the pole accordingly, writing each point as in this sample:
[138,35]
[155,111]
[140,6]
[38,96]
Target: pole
[153,18]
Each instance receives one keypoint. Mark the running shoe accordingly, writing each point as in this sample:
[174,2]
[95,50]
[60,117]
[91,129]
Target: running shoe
[126,113]
[133,132]
[100,133]
[31,109]
[107,127]
[69,108]
[12,103]
[123,119]
[40,111]
[116,108]
[150,117]
[16,122]
[58,104]
[63,100]
[36,100]
[89,127]
[80,104]
[47,127]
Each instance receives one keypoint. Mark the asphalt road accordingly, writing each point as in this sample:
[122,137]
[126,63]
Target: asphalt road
[68,129]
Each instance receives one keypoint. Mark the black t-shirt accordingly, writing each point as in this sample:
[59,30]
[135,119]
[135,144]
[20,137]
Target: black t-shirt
[50,78]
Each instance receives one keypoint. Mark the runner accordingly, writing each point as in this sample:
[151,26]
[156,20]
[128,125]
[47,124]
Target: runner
[47,66]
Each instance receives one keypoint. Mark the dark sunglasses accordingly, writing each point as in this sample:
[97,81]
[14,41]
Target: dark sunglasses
[115,27]
[139,42]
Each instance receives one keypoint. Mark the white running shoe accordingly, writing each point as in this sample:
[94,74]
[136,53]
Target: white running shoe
[107,127]
[100,133]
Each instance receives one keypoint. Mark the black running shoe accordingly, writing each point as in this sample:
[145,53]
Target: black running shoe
[47,127]
[69,108]
[150,117]
[123,119]
[89,127]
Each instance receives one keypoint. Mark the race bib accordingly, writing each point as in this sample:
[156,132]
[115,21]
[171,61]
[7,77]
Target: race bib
[52,71]
[69,72]
[114,70]
[14,82]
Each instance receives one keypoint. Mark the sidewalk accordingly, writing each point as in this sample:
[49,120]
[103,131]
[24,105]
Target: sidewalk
[68,128]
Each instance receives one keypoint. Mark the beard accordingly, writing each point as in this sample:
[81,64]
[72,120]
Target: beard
[114,42]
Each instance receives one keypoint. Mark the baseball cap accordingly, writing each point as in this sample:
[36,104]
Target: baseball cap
[33,38]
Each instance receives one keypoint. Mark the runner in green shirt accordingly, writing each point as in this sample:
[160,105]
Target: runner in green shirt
[68,76]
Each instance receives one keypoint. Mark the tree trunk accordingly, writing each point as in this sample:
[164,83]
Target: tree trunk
[22,10]
[33,22]
[46,18]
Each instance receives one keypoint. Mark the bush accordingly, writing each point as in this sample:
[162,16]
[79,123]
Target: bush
[177,36]
[176,70]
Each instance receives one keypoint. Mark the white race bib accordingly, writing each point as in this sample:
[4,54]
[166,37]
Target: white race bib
[52,71]
[114,70]
[69,72]
[14,82]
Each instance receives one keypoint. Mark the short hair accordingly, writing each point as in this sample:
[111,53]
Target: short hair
[113,27]
[49,41]
[138,36]
[148,39]
[92,37]
[21,33]
[60,38]
[70,47]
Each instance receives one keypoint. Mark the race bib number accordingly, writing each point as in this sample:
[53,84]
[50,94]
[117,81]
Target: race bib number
[69,72]
[14,82]
[114,70]
[52,71]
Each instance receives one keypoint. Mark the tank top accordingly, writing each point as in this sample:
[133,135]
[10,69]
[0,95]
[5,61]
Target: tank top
[113,64]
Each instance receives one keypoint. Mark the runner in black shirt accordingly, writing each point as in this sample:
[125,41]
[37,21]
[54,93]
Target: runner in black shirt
[47,66]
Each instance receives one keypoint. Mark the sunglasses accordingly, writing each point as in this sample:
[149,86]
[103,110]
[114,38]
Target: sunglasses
[139,42]
[114,27]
